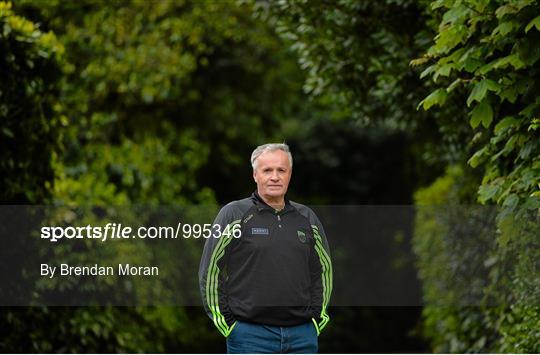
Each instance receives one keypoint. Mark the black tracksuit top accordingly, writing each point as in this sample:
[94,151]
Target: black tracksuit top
[277,272]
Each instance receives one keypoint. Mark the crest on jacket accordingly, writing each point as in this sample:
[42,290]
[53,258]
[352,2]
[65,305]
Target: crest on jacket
[301,236]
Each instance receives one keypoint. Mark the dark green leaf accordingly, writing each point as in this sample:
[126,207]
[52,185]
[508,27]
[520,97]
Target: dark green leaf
[437,97]
[534,23]
[505,123]
[482,113]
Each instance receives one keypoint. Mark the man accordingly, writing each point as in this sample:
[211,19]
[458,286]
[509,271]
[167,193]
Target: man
[266,281]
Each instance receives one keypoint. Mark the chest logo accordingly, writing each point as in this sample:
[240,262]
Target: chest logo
[301,236]
[260,231]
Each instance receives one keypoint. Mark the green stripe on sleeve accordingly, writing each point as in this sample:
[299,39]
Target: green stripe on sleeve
[212,281]
[326,277]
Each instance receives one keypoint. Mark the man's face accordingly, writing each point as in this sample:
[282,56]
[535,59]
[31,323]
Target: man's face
[272,174]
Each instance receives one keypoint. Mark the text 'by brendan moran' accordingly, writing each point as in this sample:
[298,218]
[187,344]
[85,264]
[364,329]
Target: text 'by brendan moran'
[97,270]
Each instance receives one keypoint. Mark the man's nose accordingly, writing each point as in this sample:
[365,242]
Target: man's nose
[275,176]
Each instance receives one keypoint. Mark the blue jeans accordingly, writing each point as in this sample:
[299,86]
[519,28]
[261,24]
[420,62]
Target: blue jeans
[265,339]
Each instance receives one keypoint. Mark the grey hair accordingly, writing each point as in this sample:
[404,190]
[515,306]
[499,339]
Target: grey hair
[270,147]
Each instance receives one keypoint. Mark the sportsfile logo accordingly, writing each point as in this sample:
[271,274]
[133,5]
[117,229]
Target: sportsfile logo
[119,231]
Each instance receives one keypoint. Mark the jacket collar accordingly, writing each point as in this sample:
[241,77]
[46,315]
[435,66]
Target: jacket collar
[261,205]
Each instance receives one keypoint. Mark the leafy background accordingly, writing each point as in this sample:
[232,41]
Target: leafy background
[388,102]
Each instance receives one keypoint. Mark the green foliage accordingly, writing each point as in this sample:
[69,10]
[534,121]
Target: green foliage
[104,330]
[356,57]
[488,51]
[162,101]
[354,53]
[491,49]
[483,107]
[158,99]
[30,124]
[125,173]
[138,69]
[479,284]
[449,251]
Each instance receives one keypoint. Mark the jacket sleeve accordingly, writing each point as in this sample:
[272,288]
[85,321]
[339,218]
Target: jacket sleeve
[213,269]
[321,275]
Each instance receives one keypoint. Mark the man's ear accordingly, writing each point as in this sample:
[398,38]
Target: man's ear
[254,175]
